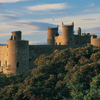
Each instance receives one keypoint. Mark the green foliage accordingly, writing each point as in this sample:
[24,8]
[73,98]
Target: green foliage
[3,80]
[69,74]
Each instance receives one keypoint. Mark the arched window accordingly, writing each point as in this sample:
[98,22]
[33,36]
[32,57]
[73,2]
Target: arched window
[59,43]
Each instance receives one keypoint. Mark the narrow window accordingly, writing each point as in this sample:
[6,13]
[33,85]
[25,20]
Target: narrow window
[17,64]
[56,43]
[7,45]
[6,63]
[0,63]
[76,42]
[59,43]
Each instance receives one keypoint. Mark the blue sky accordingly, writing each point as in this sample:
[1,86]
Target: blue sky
[32,17]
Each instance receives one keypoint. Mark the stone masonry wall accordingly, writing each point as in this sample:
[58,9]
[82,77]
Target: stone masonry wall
[80,40]
[95,41]
[3,56]
[36,50]
[58,40]
[18,57]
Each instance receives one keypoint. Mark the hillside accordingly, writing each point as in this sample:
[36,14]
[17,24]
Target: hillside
[69,74]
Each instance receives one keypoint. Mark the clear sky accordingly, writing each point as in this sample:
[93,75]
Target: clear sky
[32,17]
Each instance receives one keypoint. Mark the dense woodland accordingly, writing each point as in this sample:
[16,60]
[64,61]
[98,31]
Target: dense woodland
[69,74]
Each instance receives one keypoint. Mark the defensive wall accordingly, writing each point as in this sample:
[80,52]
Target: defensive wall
[18,57]
[95,41]
[80,40]
[3,57]
[36,50]
[74,40]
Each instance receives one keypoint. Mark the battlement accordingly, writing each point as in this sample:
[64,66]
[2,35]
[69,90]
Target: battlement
[72,24]
[94,36]
[84,34]
[52,28]
[88,34]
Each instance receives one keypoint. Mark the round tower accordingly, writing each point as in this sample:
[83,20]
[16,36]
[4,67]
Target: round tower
[17,55]
[67,34]
[51,32]
[79,31]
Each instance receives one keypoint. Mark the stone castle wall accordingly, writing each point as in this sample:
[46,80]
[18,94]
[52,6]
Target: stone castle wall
[18,57]
[80,40]
[95,42]
[69,38]
[3,57]
[58,40]
[36,50]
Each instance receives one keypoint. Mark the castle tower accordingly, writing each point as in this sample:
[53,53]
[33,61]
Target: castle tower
[95,41]
[79,31]
[51,32]
[67,34]
[17,55]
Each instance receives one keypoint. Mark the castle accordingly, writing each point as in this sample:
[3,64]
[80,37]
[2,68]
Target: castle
[69,38]
[17,57]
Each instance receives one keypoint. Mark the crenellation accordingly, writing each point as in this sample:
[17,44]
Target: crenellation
[88,34]
[83,34]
